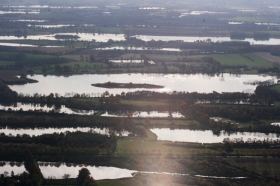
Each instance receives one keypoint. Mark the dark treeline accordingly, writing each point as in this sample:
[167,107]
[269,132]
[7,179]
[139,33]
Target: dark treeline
[45,120]
[32,176]
[6,94]
[237,113]
[12,56]
[250,143]
[113,102]
[69,144]
[38,62]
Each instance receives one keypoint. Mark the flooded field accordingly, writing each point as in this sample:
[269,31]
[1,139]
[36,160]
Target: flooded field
[41,131]
[177,82]
[207,136]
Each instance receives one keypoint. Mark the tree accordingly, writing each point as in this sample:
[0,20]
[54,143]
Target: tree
[89,182]
[66,176]
[92,58]
[82,176]
[6,173]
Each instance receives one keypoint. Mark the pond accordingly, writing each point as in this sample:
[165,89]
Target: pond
[172,82]
[152,114]
[207,136]
[271,41]
[41,131]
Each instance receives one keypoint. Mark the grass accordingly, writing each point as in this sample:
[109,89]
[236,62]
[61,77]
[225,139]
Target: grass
[149,145]
[139,103]
[239,60]
[142,103]
[7,63]
[276,87]
[167,122]
[136,146]
[271,33]
[258,164]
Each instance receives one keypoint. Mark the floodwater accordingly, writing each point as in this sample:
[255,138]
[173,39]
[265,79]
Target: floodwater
[235,23]
[26,45]
[29,20]
[276,124]
[121,37]
[126,61]
[82,37]
[50,26]
[56,170]
[207,136]
[18,12]
[41,131]
[152,114]
[44,108]
[271,41]
[139,48]
[68,86]
[17,45]
[16,167]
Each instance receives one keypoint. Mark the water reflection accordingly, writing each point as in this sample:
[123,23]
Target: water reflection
[271,41]
[139,48]
[276,124]
[126,61]
[57,170]
[207,136]
[171,82]
[41,131]
[46,108]
[121,37]
[82,37]
[155,114]
[50,26]
[16,167]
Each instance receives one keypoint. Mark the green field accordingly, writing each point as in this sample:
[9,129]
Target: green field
[239,60]
[6,63]
[276,87]
[258,164]
[149,145]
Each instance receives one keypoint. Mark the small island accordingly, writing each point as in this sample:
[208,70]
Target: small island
[126,85]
